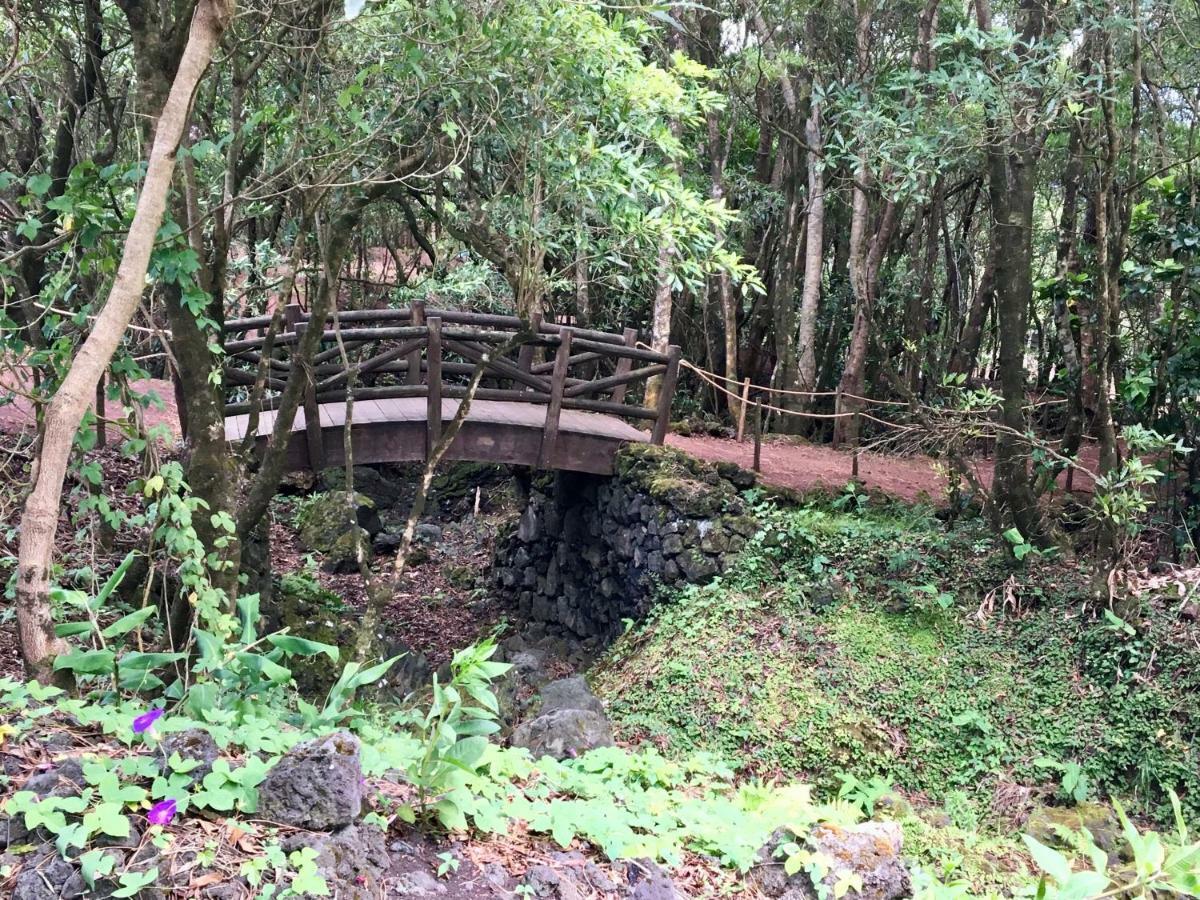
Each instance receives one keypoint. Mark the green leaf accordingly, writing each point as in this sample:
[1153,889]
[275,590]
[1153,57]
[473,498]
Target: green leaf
[94,863]
[85,662]
[133,882]
[107,818]
[39,184]
[71,629]
[1049,861]
[129,622]
[302,646]
[112,582]
[143,661]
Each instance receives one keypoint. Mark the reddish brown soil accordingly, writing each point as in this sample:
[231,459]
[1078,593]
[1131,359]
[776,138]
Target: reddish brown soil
[802,467]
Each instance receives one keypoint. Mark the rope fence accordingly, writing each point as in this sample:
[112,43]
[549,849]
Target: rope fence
[743,399]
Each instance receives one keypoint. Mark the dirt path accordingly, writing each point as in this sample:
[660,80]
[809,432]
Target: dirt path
[803,467]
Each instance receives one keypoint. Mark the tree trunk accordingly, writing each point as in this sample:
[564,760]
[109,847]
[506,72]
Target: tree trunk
[65,411]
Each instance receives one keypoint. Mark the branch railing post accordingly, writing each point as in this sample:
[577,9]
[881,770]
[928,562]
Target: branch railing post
[527,351]
[433,393]
[624,364]
[666,393]
[414,358]
[312,412]
[558,381]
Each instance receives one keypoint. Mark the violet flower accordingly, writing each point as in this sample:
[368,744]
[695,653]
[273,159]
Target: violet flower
[146,720]
[161,813]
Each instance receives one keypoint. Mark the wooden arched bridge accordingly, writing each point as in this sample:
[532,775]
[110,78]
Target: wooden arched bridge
[564,398]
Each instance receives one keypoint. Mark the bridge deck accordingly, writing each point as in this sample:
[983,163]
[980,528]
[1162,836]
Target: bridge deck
[394,430]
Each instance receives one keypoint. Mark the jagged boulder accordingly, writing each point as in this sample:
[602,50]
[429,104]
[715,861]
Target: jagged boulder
[194,744]
[1048,824]
[386,489]
[564,733]
[316,785]
[570,693]
[352,860]
[869,852]
[324,522]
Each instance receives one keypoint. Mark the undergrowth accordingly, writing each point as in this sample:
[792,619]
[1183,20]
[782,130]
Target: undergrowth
[870,640]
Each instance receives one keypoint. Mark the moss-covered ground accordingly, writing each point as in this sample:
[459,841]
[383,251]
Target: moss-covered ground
[856,640]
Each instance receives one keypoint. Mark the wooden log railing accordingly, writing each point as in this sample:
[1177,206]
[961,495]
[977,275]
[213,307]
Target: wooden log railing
[431,353]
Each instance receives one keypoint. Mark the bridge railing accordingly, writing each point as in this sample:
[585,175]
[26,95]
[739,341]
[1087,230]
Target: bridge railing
[431,353]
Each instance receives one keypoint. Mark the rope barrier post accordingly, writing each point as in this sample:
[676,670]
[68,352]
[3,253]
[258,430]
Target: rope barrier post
[666,393]
[836,440]
[857,446]
[741,428]
[1070,479]
[757,437]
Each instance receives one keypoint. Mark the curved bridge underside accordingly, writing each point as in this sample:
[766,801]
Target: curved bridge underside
[394,430]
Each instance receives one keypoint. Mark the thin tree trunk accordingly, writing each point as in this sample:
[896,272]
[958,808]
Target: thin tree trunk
[1011,160]
[65,411]
[814,249]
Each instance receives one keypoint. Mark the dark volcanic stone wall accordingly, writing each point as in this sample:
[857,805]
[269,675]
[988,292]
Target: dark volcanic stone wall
[590,551]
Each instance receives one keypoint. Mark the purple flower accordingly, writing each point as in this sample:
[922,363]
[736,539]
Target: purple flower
[161,813]
[146,720]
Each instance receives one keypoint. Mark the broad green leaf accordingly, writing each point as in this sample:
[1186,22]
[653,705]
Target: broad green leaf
[303,646]
[85,662]
[129,622]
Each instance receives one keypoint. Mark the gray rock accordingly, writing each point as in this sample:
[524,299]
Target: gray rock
[193,744]
[564,733]
[353,860]
[648,881]
[552,883]
[696,567]
[387,542]
[428,533]
[570,693]
[316,785]
[64,780]
[870,850]
[529,667]
[417,884]
[48,878]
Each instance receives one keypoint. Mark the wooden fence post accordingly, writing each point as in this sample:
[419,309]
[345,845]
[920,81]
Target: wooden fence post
[741,428]
[414,358]
[433,394]
[666,393]
[558,382]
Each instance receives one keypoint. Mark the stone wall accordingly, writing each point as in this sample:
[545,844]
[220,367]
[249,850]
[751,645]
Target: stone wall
[590,551]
